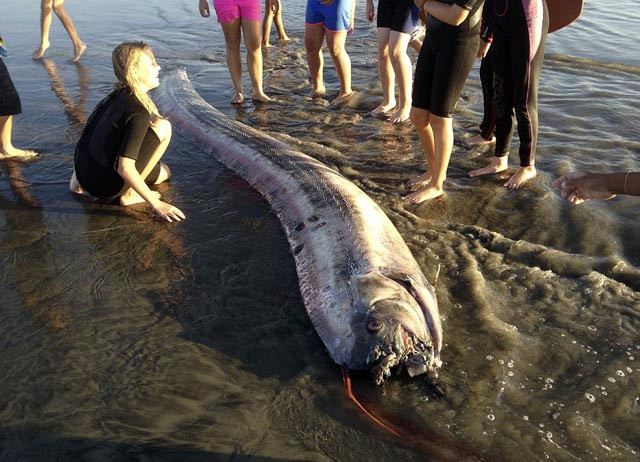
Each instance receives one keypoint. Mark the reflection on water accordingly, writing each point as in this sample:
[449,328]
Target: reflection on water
[125,338]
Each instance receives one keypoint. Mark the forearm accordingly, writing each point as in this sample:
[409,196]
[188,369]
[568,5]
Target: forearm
[622,183]
[127,170]
[453,15]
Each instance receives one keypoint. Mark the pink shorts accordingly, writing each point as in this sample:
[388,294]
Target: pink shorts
[228,10]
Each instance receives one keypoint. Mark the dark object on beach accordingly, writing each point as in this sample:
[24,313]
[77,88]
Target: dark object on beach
[563,12]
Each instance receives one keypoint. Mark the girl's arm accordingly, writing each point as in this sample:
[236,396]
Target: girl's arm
[453,15]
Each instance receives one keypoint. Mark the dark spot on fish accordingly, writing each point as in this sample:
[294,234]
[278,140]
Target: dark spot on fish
[299,227]
[297,249]
[313,218]
[320,225]
[374,326]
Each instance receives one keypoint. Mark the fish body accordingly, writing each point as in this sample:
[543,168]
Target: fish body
[363,290]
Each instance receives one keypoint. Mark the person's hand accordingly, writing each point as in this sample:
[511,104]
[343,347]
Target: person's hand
[326,2]
[483,48]
[370,11]
[420,4]
[274,5]
[169,212]
[578,187]
[204,9]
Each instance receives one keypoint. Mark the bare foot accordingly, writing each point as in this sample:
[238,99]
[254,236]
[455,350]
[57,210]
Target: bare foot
[420,180]
[478,139]
[74,184]
[266,45]
[238,98]
[519,178]
[78,51]
[15,152]
[130,197]
[39,53]
[383,109]
[318,92]
[427,193]
[341,99]
[261,97]
[497,165]
[401,116]
[285,39]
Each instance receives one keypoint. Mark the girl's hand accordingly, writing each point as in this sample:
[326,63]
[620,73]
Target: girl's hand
[274,5]
[169,212]
[483,48]
[370,11]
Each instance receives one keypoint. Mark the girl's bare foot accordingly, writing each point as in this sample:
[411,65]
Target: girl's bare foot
[519,178]
[39,52]
[238,98]
[15,152]
[383,109]
[78,51]
[478,139]
[497,165]
[74,184]
[285,39]
[261,97]
[420,180]
[427,193]
[342,98]
[318,92]
[266,45]
[401,116]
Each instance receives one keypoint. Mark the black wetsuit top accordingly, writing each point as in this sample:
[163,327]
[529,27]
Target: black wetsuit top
[118,127]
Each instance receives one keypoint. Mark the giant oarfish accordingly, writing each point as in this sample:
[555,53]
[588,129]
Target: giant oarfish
[365,293]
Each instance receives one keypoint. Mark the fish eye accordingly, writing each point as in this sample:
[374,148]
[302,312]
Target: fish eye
[374,325]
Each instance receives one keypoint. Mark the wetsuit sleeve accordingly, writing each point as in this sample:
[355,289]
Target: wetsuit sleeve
[486,29]
[466,4]
[136,127]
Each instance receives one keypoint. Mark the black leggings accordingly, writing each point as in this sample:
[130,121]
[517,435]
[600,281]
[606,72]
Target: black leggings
[488,124]
[516,82]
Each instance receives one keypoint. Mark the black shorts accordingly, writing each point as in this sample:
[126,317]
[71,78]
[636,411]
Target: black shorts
[9,99]
[441,71]
[104,182]
[397,15]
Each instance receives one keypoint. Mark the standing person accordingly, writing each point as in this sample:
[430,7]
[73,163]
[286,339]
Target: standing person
[519,29]
[444,63]
[273,14]
[240,18]
[57,6]
[118,154]
[397,20]
[9,106]
[332,19]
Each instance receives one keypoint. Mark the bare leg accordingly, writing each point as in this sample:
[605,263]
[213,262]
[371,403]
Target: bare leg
[7,149]
[313,38]
[232,39]
[443,144]
[46,9]
[387,78]
[420,119]
[402,68]
[78,45]
[496,165]
[266,24]
[280,26]
[251,32]
[335,43]
[162,127]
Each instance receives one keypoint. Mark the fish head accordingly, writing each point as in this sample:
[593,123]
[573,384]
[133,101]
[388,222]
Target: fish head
[392,330]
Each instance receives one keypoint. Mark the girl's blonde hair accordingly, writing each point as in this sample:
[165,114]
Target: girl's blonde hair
[125,58]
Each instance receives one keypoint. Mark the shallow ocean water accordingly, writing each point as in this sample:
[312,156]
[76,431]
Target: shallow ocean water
[125,338]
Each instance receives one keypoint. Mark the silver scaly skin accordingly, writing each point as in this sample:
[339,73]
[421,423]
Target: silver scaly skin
[363,290]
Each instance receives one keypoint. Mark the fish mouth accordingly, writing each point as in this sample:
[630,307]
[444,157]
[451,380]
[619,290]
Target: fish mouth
[400,347]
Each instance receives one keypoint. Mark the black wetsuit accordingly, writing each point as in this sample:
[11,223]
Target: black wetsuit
[397,15]
[118,127]
[445,60]
[519,29]
[488,124]
[9,99]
